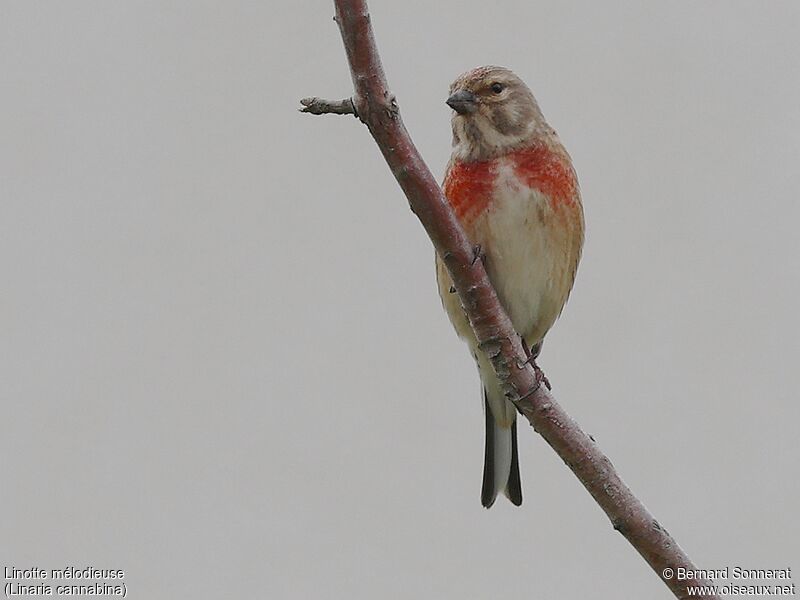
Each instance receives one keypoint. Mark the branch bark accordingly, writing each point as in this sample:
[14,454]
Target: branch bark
[376,107]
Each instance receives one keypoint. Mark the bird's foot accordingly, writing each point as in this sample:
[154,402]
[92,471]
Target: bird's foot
[477,253]
[532,353]
[541,378]
[531,360]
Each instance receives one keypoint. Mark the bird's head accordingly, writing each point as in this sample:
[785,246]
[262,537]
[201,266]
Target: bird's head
[494,113]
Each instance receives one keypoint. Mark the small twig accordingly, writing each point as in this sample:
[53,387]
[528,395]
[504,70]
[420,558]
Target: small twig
[320,106]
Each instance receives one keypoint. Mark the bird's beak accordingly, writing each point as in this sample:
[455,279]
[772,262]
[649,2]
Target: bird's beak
[463,102]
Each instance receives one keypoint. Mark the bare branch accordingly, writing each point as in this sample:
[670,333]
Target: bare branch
[376,107]
[319,106]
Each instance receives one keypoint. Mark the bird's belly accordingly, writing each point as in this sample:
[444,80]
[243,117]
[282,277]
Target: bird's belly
[525,244]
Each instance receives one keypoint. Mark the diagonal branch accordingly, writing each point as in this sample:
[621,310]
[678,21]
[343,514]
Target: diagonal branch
[376,107]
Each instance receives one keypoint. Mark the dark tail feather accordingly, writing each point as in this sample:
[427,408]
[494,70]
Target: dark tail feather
[488,493]
[513,485]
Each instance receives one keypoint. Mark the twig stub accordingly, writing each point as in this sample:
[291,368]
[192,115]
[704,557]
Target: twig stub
[320,106]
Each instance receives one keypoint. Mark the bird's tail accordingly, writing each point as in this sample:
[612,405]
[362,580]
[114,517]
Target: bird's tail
[501,460]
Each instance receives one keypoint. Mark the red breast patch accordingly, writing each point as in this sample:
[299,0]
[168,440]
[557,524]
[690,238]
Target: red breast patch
[547,171]
[468,186]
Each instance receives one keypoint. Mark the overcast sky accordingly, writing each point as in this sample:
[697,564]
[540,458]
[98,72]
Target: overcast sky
[225,368]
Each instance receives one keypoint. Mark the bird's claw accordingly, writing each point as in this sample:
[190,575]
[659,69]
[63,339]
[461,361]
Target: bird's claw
[477,252]
[532,353]
[541,378]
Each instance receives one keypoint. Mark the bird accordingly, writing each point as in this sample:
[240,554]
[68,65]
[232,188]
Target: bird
[513,189]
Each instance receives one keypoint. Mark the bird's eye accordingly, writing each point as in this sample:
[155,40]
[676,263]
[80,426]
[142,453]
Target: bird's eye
[497,87]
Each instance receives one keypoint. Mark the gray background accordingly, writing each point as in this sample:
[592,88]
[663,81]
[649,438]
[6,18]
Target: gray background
[224,365]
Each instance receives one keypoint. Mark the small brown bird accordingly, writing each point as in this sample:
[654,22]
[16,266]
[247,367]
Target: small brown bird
[513,189]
